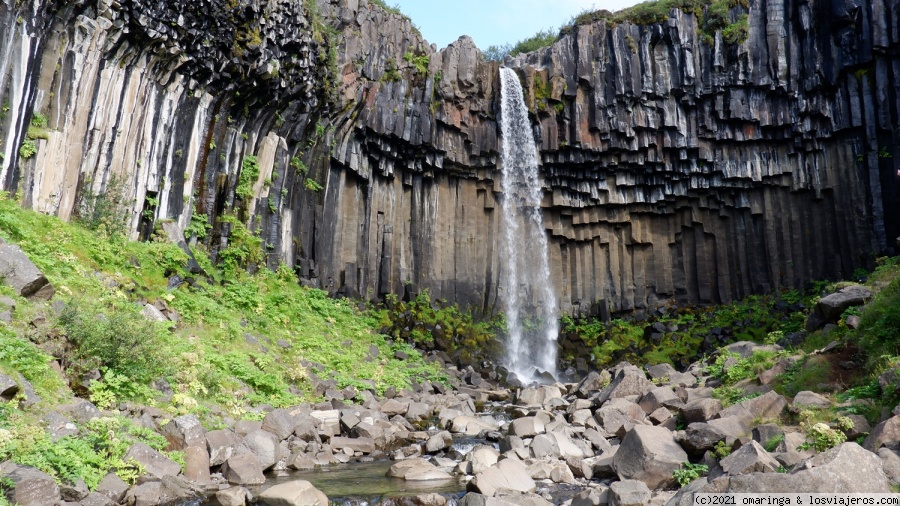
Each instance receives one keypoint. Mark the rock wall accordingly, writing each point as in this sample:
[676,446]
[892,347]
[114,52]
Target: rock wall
[675,170]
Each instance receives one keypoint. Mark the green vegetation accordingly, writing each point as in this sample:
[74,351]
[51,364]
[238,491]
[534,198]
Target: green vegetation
[99,449]
[434,323]
[419,62]
[689,472]
[249,174]
[241,340]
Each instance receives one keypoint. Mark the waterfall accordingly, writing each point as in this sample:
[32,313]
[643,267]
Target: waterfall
[532,320]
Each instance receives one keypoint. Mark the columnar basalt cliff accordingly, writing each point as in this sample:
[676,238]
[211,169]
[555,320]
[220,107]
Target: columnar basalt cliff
[675,169]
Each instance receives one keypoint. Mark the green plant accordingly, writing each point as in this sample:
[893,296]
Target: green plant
[420,62]
[199,226]
[721,450]
[27,149]
[689,472]
[312,185]
[249,174]
[772,444]
[823,437]
[298,165]
[104,211]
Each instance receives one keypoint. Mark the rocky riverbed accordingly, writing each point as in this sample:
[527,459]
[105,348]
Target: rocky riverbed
[623,436]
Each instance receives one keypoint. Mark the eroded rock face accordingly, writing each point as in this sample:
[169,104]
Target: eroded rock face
[674,169]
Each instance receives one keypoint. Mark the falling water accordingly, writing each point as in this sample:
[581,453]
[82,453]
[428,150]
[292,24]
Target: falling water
[530,303]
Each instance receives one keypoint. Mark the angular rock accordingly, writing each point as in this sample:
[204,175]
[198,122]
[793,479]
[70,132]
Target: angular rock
[701,410]
[243,469]
[846,468]
[17,271]
[649,454]
[830,307]
[440,441]
[506,474]
[886,433]
[112,487]
[362,445]
[32,488]
[890,462]
[481,458]
[629,380]
[595,496]
[233,496]
[221,445]
[8,387]
[96,499]
[264,445]
[196,464]
[537,396]
[279,422]
[657,398]
[592,383]
[294,493]
[629,493]
[154,463]
[767,406]
[184,431]
[527,426]
[417,469]
[807,399]
[749,458]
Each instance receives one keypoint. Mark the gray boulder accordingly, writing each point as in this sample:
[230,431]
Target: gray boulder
[885,433]
[701,410]
[196,464]
[440,441]
[264,445]
[294,493]
[184,431]
[32,487]
[830,307]
[279,422]
[527,426]
[593,382]
[846,468]
[233,496]
[96,499]
[17,271]
[629,380]
[155,464]
[594,496]
[112,487]
[8,388]
[417,469]
[506,474]
[649,454]
[767,406]
[243,469]
[629,493]
[221,445]
[807,399]
[750,458]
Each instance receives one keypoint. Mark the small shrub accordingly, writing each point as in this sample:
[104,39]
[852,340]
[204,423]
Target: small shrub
[772,444]
[721,450]
[27,149]
[312,185]
[823,437]
[537,41]
[689,472]
[248,177]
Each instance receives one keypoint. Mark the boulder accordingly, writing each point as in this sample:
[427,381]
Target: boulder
[504,498]
[221,445]
[112,487]
[417,469]
[592,383]
[440,441]
[184,431]
[527,426]
[279,422]
[807,399]
[594,496]
[17,271]
[537,396]
[617,414]
[243,469]
[767,406]
[482,458]
[701,410]
[749,458]
[154,463]
[294,493]
[361,445]
[890,462]
[629,380]
[885,433]
[846,468]
[657,398]
[196,464]
[649,454]
[629,493]
[234,496]
[506,474]
[8,388]
[262,444]
[32,488]
[96,499]
[830,307]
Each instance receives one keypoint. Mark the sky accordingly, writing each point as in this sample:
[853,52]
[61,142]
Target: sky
[495,22]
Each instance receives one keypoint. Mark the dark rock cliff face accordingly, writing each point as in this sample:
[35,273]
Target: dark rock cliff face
[675,170]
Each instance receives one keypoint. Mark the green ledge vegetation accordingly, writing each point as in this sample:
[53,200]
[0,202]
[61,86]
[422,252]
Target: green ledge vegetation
[240,340]
[714,16]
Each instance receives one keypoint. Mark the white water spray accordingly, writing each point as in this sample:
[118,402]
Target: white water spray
[532,319]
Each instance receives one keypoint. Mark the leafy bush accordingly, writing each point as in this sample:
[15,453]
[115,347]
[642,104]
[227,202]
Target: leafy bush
[823,437]
[249,174]
[880,324]
[18,355]
[27,149]
[120,340]
[689,472]
[537,41]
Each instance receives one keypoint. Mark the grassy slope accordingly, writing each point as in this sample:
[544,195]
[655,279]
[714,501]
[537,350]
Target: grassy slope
[207,356]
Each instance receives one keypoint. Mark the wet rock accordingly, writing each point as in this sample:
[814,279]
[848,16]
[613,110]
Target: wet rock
[243,469]
[506,474]
[649,454]
[18,272]
[233,496]
[154,463]
[440,441]
[417,469]
[629,493]
[294,493]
